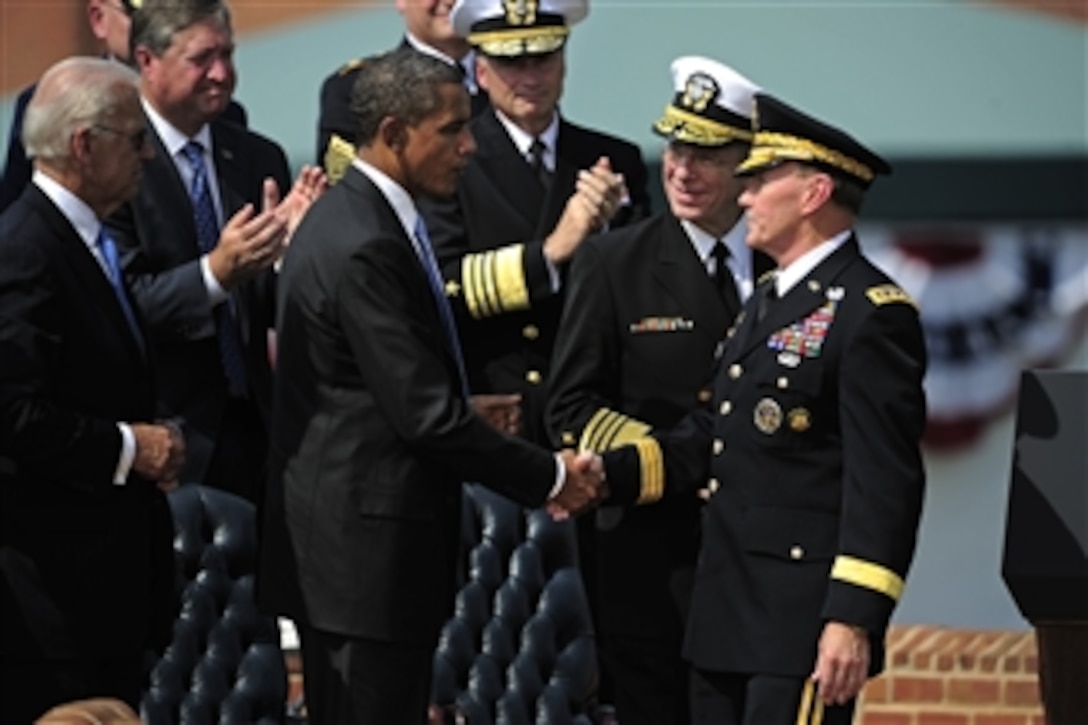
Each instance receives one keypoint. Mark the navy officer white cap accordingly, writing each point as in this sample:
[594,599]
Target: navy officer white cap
[511,28]
[712,105]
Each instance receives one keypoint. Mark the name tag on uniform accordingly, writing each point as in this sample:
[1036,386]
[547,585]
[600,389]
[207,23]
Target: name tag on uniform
[661,324]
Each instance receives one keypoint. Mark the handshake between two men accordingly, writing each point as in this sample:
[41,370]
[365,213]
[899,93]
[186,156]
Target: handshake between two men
[583,487]
[583,473]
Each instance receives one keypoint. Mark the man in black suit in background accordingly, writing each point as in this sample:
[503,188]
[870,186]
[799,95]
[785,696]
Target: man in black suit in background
[200,239]
[537,187]
[427,29]
[86,563]
[109,22]
[647,306]
[374,432]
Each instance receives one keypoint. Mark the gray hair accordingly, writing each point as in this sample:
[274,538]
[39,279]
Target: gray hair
[403,84]
[73,94]
[155,22]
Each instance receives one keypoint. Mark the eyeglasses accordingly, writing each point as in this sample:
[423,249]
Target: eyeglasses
[137,138]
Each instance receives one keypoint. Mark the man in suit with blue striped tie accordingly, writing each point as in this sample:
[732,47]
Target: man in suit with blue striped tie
[201,237]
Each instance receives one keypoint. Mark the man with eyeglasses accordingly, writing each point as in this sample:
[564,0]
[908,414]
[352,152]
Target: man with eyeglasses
[109,21]
[200,240]
[86,562]
[647,307]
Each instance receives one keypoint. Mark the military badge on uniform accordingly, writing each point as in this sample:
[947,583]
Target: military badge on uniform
[805,338]
[520,12]
[789,359]
[799,420]
[661,324]
[768,415]
[699,90]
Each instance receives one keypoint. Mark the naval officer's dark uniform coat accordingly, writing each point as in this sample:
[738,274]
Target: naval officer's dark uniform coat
[635,351]
[811,452]
[489,241]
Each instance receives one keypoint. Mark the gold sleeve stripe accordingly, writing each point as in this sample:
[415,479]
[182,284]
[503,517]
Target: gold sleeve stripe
[470,286]
[868,575]
[489,291]
[652,470]
[510,278]
[494,281]
[608,429]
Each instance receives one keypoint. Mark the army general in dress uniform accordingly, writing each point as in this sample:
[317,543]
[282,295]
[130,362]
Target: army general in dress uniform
[647,306]
[810,453]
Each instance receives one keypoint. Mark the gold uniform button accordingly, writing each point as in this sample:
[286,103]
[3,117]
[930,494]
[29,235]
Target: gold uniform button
[735,370]
[530,332]
[568,438]
[783,383]
[704,395]
[534,377]
[725,407]
[814,285]
[796,553]
[712,485]
[719,446]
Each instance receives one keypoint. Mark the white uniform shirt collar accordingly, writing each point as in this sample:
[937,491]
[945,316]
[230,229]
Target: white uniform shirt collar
[394,193]
[523,141]
[740,259]
[467,63]
[791,275]
[74,209]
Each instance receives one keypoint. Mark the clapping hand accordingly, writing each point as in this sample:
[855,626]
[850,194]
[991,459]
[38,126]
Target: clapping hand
[584,486]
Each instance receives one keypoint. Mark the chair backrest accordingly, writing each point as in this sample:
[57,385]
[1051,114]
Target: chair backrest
[519,647]
[224,664]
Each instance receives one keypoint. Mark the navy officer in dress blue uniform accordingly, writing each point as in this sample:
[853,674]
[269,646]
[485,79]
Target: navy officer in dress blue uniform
[810,454]
[536,188]
[646,308]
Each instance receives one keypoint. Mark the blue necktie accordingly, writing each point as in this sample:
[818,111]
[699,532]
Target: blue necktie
[422,243]
[207,235]
[108,249]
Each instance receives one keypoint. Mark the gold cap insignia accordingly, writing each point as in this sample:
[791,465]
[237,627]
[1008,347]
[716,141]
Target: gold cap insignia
[800,419]
[520,12]
[768,415]
[699,90]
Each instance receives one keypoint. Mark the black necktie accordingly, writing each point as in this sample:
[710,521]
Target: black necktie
[768,294]
[723,277]
[536,161]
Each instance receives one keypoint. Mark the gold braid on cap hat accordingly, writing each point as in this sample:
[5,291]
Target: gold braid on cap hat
[691,128]
[768,147]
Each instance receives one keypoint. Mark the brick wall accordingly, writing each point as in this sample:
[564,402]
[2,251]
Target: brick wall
[938,676]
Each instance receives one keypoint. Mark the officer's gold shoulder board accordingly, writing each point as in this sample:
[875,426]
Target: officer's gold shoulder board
[886,294]
[350,66]
[338,156]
